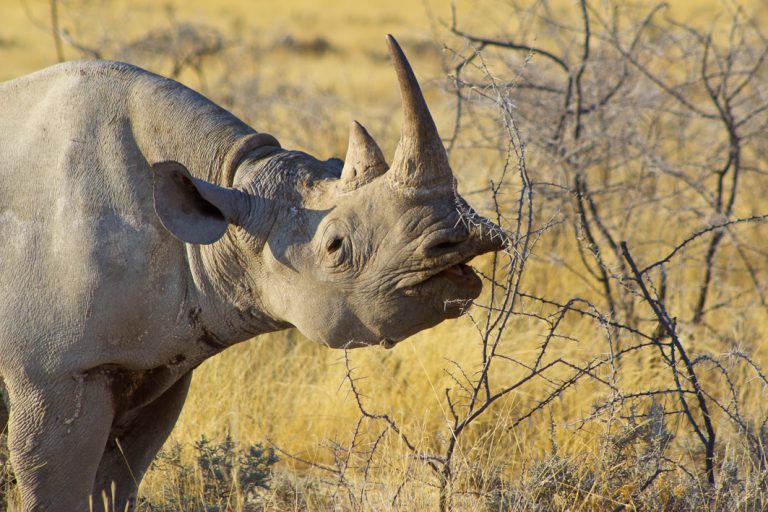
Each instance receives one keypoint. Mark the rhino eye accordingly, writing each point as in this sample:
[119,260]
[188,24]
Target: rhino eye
[334,245]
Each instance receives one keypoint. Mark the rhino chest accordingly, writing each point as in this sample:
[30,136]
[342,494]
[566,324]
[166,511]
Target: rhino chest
[134,389]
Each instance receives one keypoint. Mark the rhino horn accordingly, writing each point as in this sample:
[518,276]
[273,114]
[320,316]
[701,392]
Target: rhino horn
[420,159]
[364,160]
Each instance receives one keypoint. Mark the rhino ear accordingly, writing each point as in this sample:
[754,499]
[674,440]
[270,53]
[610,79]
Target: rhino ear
[193,210]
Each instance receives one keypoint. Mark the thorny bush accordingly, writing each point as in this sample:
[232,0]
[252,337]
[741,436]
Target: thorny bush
[645,211]
[647,137]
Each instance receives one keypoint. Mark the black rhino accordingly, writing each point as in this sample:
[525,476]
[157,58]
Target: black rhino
[145,229]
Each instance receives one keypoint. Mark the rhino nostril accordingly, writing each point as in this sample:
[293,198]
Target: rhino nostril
[444,246]
[445,241]
[448,244]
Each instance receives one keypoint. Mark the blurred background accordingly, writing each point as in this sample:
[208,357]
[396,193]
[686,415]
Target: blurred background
[576,125]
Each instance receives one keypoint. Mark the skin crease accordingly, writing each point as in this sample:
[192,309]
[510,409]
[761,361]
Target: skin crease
[146,229]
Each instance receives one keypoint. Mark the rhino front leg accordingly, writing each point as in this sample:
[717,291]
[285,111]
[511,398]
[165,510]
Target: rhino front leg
[57,433]
[133,444]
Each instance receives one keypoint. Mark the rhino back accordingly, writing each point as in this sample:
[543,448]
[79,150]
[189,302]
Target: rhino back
[84,258]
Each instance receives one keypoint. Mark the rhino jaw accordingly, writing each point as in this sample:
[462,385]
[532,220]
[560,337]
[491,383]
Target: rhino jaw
[461,284]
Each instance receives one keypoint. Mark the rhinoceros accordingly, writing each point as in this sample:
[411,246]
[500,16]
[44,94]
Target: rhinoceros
[144,229]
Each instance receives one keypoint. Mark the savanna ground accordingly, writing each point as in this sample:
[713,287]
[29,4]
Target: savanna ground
[615,360]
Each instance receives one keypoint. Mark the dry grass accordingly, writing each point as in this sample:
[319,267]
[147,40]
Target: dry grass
[306,64]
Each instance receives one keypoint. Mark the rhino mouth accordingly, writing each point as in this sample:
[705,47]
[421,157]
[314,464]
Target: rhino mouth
[461,274]
[453,286]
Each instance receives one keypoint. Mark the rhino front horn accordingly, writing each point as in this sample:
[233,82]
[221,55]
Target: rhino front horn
[420,159]
[364,160]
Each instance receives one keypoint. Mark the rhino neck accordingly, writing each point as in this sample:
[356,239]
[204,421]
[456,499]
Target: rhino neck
[172,122]
[225,275]
[225,297]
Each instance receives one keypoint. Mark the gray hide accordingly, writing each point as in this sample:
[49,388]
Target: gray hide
[145,229]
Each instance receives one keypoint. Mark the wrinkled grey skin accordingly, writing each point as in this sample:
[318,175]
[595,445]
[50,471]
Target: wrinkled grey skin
[144,229]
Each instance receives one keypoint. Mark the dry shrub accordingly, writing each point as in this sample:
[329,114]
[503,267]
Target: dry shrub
[615,359]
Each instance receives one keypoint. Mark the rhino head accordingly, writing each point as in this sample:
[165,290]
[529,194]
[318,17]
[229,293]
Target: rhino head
[352,254]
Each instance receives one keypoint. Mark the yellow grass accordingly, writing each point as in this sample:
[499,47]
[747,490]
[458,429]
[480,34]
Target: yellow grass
[285,389]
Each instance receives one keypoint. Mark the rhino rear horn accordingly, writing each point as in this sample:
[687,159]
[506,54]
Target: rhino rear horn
[420,159]
[193,210]
[364,160]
